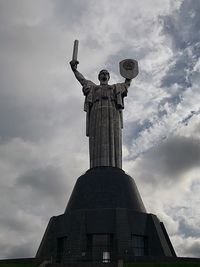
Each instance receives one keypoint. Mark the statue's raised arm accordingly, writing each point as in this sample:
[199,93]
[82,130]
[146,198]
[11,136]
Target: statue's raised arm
[74,63]
[77,74]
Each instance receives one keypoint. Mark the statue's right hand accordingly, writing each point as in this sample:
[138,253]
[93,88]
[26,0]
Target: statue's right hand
[74,64]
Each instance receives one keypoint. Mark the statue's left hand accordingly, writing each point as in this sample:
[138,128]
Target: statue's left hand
[128,82]
[74,64]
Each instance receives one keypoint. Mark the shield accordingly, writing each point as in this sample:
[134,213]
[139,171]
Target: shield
[128,68]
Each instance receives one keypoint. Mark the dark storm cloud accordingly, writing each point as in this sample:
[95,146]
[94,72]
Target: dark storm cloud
[18,120]
[14,223]
[32,120]
[180,154]
[193,250]
[27,205]
[170,159]
[48,181]
[19,251]
[33,197]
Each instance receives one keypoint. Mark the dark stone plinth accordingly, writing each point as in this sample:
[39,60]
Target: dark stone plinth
[105,216]
[105,188]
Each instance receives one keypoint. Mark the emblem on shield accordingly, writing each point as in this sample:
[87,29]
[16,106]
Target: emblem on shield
[128,68]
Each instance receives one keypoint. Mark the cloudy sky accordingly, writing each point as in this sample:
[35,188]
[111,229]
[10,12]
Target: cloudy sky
[43,147]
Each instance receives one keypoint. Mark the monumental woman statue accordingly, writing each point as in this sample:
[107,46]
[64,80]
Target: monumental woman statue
[103,104]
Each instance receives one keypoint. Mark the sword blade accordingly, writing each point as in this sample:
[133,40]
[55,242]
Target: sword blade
[75,50]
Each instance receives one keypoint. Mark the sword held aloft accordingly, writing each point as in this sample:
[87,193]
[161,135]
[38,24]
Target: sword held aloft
[75,51]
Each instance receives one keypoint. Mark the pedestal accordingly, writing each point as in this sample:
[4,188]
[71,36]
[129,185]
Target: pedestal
[105,220]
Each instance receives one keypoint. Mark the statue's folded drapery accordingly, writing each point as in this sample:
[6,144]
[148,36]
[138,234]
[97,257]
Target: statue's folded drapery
[104,123]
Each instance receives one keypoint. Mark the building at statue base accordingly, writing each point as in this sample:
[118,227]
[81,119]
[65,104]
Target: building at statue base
[105,221]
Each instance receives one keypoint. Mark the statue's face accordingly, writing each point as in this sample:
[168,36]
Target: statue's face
[104,76]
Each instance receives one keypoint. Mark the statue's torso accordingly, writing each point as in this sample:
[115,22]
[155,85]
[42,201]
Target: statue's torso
[103,92]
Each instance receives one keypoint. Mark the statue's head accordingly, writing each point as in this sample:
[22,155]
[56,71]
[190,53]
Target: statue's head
[104,76]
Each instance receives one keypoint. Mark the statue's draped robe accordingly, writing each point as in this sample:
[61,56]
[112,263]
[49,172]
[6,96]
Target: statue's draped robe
[104,122]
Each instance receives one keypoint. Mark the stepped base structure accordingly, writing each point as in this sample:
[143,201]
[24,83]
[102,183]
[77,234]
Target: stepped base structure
[105,221]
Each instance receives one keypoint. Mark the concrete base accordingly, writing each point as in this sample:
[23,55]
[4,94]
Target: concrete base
[105,220]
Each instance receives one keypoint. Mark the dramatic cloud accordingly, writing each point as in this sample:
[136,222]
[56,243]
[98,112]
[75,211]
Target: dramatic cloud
[43,147]
[173,157]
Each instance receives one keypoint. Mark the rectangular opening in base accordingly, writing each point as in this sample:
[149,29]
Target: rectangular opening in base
[139,245]
[100,247]
[61,248]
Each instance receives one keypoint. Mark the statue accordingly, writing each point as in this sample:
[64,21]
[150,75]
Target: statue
[103,105]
